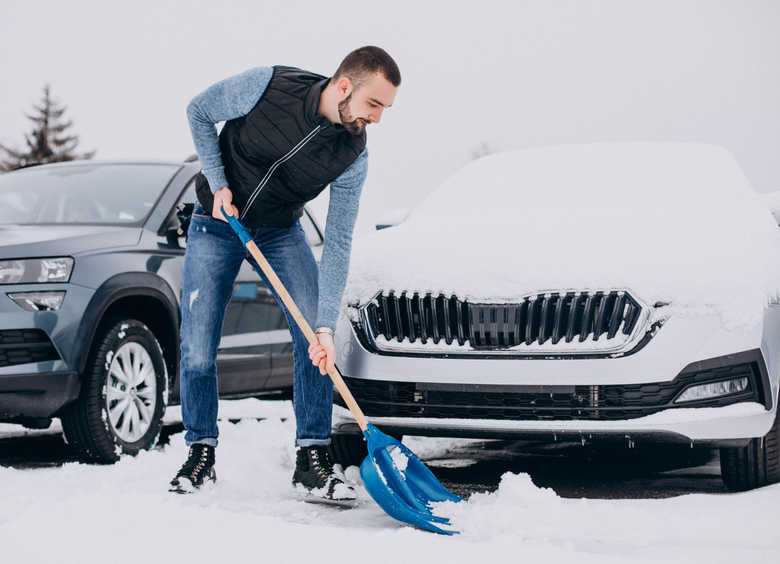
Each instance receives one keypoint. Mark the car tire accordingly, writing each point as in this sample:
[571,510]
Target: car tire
[124,390]
[755,465]
[348,449]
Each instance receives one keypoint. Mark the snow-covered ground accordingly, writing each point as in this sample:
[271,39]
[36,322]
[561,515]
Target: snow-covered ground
[123,513]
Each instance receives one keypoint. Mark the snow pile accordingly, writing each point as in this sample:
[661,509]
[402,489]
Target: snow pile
[672,222]
[518,507]
[724,526]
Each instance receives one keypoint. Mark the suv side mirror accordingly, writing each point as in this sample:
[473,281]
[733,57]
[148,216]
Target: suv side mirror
[177,225]
[392,218]
[184,213]
[773,203]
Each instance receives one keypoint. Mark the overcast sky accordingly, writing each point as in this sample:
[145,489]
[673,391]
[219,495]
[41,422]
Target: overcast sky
[508,75]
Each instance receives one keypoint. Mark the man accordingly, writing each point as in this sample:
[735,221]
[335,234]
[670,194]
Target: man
[288,134]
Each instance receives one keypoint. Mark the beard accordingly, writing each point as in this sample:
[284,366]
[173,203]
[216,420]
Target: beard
[354,125]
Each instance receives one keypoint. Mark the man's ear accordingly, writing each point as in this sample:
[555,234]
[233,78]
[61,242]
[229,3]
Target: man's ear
[344,86]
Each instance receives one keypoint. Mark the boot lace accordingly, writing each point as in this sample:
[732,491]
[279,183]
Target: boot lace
[322,464]
[196,461]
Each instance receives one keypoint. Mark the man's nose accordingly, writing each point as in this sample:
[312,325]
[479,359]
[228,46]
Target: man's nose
[375,115]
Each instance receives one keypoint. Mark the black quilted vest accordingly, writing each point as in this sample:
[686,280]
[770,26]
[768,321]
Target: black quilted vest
[282,154]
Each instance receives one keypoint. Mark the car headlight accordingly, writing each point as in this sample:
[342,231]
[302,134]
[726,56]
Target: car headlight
[31,271]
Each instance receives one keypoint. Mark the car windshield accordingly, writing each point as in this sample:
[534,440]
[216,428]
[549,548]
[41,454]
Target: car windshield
[90,193]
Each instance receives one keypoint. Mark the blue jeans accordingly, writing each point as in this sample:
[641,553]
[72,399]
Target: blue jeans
[211,263]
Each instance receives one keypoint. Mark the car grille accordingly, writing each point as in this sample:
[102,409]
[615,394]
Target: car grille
[22,346]
[553,403]
[541,323]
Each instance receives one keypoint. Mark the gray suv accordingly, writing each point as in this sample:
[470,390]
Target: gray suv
[91,257]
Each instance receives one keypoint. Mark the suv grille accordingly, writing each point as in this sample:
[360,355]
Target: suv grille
[550,322]
[554,403]
[25,345]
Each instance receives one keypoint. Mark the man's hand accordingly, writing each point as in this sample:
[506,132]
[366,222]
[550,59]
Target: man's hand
[323,353]
[223,198]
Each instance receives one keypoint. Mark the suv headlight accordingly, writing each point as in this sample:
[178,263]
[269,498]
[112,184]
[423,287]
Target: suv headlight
[31,271]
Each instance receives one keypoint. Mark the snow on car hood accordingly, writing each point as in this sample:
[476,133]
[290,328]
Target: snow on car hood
[673,223]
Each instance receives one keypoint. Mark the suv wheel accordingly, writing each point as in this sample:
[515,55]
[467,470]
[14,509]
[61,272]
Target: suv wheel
[123,394]
[755,465]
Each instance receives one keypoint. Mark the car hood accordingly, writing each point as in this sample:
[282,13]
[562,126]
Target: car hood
[23,241]
[671,222]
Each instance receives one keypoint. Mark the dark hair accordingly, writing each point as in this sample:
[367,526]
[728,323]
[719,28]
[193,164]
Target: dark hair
[362,63]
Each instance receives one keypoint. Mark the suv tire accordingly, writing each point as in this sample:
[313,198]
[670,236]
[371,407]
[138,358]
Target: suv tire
[755,465]
[124,390]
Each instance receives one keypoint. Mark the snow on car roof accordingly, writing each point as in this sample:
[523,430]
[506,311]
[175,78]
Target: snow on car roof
[674,223]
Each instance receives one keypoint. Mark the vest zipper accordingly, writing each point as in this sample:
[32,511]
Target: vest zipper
[274,166]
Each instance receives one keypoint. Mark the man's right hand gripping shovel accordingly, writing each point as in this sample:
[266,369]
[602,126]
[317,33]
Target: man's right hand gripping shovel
[223,201]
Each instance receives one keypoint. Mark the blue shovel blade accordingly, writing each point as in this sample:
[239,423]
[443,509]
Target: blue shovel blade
[401,484]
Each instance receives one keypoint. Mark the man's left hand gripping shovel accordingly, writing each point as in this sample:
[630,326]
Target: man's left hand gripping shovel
[397,480]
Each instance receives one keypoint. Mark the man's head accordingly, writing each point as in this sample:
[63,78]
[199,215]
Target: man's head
[365,84]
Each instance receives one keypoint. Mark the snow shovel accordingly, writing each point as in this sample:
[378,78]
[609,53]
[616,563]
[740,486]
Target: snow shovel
[397,480]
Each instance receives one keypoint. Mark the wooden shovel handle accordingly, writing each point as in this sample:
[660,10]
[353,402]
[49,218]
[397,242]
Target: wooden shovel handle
[287,300]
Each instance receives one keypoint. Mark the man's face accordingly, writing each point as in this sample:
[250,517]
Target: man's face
[366,104]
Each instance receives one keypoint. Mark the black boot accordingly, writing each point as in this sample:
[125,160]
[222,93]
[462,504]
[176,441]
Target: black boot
[314,471]
[198,468]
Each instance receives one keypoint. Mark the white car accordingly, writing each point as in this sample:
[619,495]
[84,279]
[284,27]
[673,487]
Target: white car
[606,291]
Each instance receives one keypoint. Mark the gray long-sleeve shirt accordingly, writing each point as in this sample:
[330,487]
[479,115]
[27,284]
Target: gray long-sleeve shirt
[235,97]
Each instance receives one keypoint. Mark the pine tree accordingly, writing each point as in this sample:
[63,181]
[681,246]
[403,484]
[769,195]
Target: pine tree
[48,142]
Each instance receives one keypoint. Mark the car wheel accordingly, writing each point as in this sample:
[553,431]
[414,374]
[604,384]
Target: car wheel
[123,394]
[348,449]
[755,465]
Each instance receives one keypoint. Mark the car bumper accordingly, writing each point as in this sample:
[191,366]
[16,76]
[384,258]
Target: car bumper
[36,396]
[472,387]
[723,426]
[38,356]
